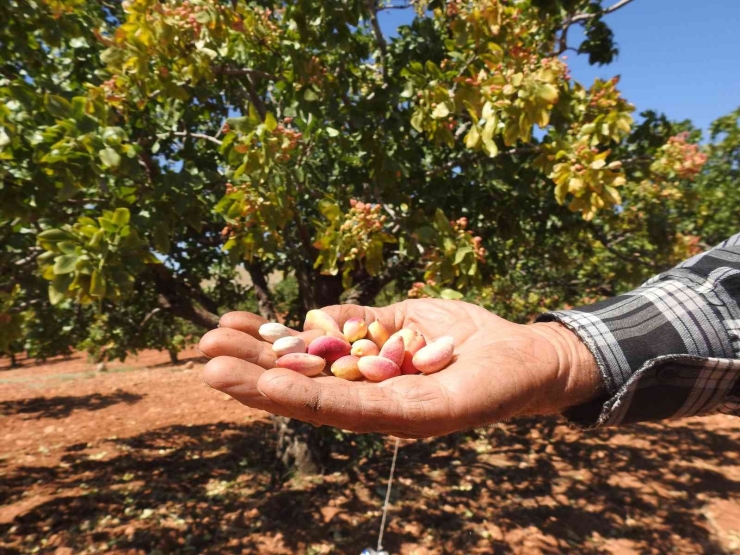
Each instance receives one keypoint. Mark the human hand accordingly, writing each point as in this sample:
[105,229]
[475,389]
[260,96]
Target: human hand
[500,370]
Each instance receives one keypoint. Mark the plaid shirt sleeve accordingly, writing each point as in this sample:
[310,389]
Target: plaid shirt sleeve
[668,349]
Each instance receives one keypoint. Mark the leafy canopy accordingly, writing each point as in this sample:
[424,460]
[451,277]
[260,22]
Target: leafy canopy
[154,151]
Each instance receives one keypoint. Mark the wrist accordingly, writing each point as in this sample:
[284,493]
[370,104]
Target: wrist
[575,374]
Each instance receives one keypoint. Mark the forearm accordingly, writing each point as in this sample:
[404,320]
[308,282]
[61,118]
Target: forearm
[667,349]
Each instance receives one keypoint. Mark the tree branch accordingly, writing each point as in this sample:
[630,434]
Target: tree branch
[379,38]
[178,298]
[586,16]
[400,7]
[197,136]
[609,246]
[224,70]
[150,168]
[35,253]
[563,41]
[365,291]
[255,98]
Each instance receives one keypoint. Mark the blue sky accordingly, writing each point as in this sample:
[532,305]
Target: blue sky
[681,57]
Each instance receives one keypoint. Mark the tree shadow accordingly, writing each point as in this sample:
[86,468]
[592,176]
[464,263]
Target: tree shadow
[536,483]
[27,362]
[196,359]
[63,406]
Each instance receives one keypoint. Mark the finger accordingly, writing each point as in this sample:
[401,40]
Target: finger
[356,406]
[234,343]
[246,322]
[390,316]
[238,378]
[250,324]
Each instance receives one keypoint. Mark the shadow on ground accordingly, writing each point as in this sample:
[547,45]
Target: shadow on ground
[208,489]
[62,406]
[198,359]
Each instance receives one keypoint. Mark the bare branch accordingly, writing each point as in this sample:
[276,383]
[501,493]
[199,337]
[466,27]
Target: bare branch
[35,253]
[255,98]
[563,41]
[220,130]
[613,8]
[224,70]
[379,38]
[150,168]
[399,7]
[148,317]
[634,258]
[197,136]
[183,300]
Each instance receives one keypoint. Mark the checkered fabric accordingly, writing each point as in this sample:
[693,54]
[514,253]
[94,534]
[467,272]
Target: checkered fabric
[668,349]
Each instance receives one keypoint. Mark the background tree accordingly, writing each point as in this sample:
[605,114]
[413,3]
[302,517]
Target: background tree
[150,149]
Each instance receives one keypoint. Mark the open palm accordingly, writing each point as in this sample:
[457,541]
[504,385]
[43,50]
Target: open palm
[500,370]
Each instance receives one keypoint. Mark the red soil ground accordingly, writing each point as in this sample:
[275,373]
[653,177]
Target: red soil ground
[147,459]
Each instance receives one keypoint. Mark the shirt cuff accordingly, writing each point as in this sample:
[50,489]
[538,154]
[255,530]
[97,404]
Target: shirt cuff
[666,350]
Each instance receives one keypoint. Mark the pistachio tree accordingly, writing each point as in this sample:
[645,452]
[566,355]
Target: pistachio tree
[150,149]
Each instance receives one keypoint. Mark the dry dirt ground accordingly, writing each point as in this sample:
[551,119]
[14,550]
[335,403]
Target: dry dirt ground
[146,459]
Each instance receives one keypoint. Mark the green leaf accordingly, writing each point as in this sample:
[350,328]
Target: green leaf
[96,238]
[426,234]
[441,223]
[548,93]
[108,225]
[62,282]
[57,106]
[408,90]
[310,95]
[332,132]
[472,138]
[374,257]
[97,284]
[431,291]
[490,147]
[55,297]
[110,158]
[161,238]
[54,235]
[270,122]
[417,121]
[121,216]
[441,111]
[461,254]
[65,264]
[67,247]
[241,124]
[451,294]
[330,210]
[87,221]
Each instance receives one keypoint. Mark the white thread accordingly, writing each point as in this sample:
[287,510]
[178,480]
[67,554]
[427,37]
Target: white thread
[387,496]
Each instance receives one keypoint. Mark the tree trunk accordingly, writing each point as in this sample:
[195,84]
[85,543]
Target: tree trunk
[367,287]
[327,290]
[13,361]
[300,446]
[305,288]
[173,356]
[264,302]
[182,300]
